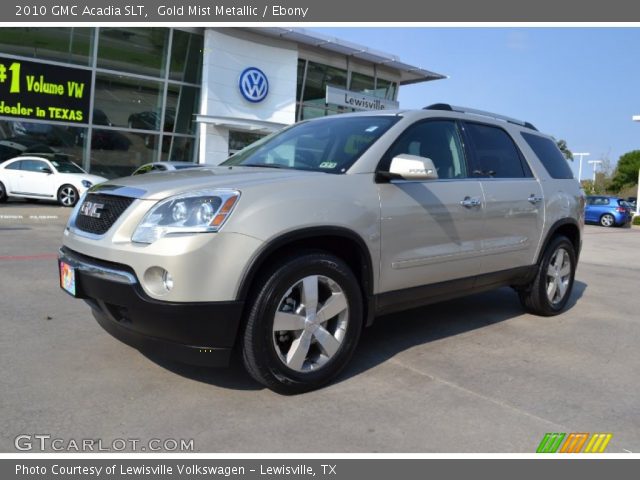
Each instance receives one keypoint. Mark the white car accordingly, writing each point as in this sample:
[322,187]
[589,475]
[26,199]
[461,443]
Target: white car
[41,178]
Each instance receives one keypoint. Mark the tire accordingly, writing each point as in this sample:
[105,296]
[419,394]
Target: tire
[3,193]
[607,220]
[548,293]
[285,346]
[68,195]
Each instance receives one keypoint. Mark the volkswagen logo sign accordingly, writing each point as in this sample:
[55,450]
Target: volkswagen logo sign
[253,84]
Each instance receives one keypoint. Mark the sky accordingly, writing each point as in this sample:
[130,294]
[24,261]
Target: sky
[577,84]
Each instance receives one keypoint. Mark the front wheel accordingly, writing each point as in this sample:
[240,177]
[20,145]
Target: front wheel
[68,196]
[550,290]
[3,193]
[304,323]
[607,220]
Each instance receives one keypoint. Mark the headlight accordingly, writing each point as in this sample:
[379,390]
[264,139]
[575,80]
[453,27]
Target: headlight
[86,183]
[193,212]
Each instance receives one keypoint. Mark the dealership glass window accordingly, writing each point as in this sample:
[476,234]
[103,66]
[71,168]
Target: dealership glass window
[182,103]
[361,83]
[20,137]
[239,140]
[301,65]
[186,57]
[315,90]
[62,44]
[127,101]
[384,89]
[318,77]
[122,101]
[177,148]
[135,50]
[117,153]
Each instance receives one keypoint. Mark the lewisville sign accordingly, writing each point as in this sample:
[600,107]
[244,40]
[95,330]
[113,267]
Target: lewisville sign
[358,100]
[44,92]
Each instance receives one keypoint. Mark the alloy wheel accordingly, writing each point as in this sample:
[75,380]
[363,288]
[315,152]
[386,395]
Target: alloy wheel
[310,323]
[558,276]
[68,196]
[607,220]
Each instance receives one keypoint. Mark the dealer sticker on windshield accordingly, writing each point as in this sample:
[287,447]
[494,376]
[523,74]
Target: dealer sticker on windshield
[67,278]
[328,164]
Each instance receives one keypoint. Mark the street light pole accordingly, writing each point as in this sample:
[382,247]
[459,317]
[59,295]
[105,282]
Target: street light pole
[595,163]
[636,118]
[581,155]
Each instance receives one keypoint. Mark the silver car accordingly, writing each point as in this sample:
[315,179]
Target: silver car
[294,244]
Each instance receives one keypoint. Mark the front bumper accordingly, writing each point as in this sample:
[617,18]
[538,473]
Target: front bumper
[198,333]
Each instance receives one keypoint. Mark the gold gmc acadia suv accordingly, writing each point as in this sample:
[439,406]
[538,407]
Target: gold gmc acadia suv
[294,244]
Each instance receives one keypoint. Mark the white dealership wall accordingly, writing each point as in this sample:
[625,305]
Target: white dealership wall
[227,53]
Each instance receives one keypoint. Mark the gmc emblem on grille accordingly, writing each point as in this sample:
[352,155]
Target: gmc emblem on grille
[91,209]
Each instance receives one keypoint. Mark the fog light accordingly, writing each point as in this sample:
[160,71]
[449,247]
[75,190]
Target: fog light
[167,280]
[158,281]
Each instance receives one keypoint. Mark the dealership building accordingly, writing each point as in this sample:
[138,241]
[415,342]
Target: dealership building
[114,98]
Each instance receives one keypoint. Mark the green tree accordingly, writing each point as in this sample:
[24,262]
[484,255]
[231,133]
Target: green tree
[562,145]
[627,171]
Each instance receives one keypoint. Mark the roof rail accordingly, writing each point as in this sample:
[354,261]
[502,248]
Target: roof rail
[482,113]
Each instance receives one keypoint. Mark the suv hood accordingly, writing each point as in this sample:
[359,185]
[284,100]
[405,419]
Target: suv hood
[158,186]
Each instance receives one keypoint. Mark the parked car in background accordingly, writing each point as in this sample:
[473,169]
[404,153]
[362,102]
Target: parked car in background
[607,211]
[150,120]
[104,139]
[56,178]
[155,167]
[20,145]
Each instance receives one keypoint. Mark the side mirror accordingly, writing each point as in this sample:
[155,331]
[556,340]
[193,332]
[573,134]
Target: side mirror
[46,170]
[413,167]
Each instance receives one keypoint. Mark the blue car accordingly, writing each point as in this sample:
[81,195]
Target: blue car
[607,211]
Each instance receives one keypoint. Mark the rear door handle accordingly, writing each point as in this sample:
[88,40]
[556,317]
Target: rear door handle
[533,199]
[469,202]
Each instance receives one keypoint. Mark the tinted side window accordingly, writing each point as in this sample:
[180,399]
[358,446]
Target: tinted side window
[550,155]
[15,166]
[495,154]
[438,140]
[33,165]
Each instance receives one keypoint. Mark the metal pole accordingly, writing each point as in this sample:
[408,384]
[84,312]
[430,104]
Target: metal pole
[581,155]
[595,164]
[636,118]
[638,195]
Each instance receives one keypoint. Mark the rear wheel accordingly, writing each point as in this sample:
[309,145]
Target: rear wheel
[607,220]
[3,193]
[304,323]
[67,195]
[550,290]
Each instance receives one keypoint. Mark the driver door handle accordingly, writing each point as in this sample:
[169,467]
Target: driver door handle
[470,202]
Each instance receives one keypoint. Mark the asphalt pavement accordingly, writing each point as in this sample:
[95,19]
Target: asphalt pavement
[470,375]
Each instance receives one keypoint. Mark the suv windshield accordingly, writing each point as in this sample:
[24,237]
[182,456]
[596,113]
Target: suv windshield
[328,145]
[66,166]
